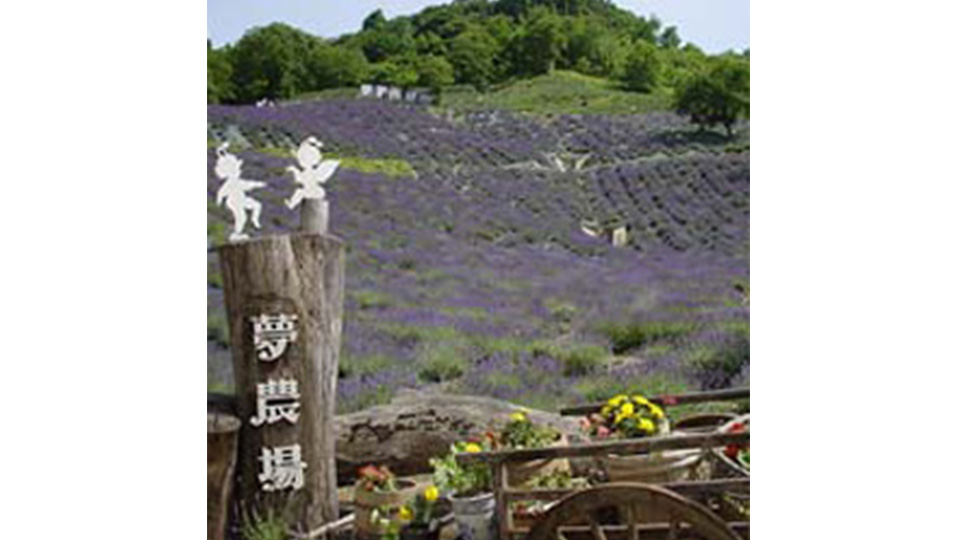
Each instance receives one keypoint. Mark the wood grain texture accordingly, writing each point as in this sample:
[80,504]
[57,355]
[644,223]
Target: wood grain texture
[222,433]
[301,274]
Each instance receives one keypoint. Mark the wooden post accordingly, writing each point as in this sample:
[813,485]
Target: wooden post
[300,275]
[314,216]
[222,431]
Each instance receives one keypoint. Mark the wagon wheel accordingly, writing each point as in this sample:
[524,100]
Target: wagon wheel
[629,511]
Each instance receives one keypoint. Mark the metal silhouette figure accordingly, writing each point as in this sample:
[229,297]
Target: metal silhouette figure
[313,172]
[234,192]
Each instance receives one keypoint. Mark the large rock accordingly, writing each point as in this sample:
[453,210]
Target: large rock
[416,426]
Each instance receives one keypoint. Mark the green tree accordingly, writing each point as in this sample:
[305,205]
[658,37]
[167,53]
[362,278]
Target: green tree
[594,49]
[669,38]
[375,20]
[390,39]
[643,68]
[434,72]
[540,44]
[400,73]
[718,95]
[335,66]
[471,55]
[271,62]
[681,64]
[219,72]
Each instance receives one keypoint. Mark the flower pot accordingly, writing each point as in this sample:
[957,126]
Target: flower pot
[654,468]
[474,516]
[411,532]
[366,502]
[519,473]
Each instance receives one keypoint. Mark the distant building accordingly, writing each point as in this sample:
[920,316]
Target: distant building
[393,93]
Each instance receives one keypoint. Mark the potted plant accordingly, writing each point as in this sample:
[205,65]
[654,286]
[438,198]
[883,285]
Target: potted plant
[469,488]
[419,522]
[378,495]
[521,432]
[629,417]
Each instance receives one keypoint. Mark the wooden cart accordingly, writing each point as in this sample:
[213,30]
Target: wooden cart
[713,508]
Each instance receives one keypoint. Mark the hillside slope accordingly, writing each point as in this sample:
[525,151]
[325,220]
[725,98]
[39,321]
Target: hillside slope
[475,270]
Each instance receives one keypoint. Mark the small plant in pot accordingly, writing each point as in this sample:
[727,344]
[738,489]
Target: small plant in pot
[521,432]
[630,417]
[378,496]
[419,517]
[470,488]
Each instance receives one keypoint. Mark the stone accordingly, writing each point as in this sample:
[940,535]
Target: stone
[417,425]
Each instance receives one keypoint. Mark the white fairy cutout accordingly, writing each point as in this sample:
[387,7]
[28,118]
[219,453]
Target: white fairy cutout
[313,172]
[234,191]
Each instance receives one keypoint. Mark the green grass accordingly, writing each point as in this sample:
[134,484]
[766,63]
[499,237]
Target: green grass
[394,168]
[603,388]
[218,329]
[356,366]
[561,92]
[371,299]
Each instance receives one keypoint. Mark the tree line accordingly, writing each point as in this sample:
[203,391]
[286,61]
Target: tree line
[481,43]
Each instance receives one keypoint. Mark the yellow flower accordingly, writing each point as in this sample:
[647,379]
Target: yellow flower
[473,448]
[406,514]
[627,409]
[641,400]
[518,417]
[615,401]
[656,411]
[647,425]
[431,493]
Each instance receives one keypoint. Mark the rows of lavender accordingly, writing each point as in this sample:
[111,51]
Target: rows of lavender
[477,276]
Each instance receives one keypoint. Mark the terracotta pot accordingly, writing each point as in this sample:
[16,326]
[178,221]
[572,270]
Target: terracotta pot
[474,516]
[365,502]
[518,473]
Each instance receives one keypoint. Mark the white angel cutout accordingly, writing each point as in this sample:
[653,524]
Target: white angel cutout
[313,172]
[234,191]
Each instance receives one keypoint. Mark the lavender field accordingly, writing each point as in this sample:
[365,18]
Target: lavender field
[471,267]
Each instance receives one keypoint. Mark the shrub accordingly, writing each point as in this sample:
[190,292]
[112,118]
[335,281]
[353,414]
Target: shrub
[440,362]
[721,359]
[368,299]
[635,335]
[577,360]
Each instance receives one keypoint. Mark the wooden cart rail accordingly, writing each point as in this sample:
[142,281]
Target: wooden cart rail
[669,399]
[693,489]
[626,446]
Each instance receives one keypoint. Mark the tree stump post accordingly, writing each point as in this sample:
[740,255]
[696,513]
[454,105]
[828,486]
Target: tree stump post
[222,431]
[299,276]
